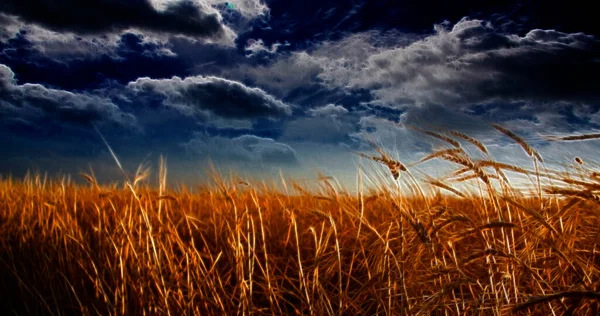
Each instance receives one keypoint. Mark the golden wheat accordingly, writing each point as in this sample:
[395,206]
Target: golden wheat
[238,248]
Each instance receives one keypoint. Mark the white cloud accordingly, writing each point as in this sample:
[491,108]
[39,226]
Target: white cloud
[57,44]
[470,63]
[329,110]
[256,47]
[162,19]
[323,63]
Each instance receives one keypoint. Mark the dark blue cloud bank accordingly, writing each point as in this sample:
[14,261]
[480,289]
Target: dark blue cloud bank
[286,85]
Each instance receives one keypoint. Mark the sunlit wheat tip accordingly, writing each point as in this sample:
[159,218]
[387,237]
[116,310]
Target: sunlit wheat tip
[528,149]
[471,140]
[439,153]
[88,178]
[439,136]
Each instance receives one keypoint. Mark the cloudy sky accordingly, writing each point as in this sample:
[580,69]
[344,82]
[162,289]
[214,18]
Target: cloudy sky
[260,86]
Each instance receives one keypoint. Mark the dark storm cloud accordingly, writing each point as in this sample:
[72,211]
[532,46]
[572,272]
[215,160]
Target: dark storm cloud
[103,16]
[89,63]
[305,23]
[473,63]
[354,72]
[225,98]
[15,34]
[36,106]
[248,149]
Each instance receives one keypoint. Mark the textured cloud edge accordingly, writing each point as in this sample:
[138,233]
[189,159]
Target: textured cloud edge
[222,97]
[473,63]
[64,46]
[100,16]
[257,47]
[92,28]
[462,76]
[38,106]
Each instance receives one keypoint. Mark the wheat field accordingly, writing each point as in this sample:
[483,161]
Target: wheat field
[428,246]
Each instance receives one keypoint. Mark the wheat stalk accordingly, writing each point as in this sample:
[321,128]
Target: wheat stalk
[471,140]
[528,149]
[573,137]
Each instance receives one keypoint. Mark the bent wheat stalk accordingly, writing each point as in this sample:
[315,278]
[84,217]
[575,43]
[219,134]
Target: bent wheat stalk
[573,137]
[528,149]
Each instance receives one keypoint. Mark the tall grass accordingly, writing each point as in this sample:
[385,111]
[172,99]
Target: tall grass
[239,247]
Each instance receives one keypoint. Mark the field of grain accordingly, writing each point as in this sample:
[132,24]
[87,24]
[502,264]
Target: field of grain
[248,248]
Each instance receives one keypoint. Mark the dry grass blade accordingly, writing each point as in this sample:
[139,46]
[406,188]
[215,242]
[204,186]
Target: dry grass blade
[439,153]
[471,140]
[459,172]
[104,194]
[452,219]
[572,202]
[112,153]
[372,198]
[445,138]
[557,296]
[490,225]
[415,224]
[533,213]
[481,254]
[528,149]
[500,165]
[323,198]
[141,174]
[461,160]
[394,166]
[585,194]
[589,185]
[299,188]
[166,197]
[88,178]
[230,248]
[573,137]
[465,161]
[446,187]
[471,177]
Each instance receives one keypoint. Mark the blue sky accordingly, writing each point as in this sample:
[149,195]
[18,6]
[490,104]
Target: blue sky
[296,86]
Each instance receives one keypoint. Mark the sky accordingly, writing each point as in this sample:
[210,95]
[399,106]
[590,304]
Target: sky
[262,87]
